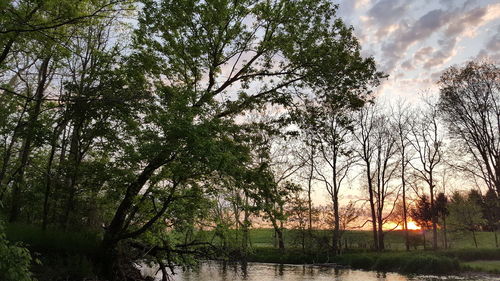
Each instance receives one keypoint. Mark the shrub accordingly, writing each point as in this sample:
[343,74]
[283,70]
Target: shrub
[15,260]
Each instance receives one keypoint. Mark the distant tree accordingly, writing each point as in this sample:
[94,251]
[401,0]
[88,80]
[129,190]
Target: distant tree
[421,214]
[465,214]
[297,212]
[470,104]
[492,212]
[441,210]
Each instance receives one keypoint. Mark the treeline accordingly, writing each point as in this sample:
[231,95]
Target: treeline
[145,121]
[432,162]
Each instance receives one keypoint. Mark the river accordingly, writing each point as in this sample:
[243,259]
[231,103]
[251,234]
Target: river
[215,271]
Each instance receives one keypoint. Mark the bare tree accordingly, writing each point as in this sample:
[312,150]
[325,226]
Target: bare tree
[401,116]
[470,104]
[427,141]
[378,151]
[336,158]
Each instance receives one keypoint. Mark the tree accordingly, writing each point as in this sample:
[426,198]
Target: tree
[465,214]
[441,210]
[469,102]
[402,120]
[332,138]
[491,211]
[207,66]
[427,141]
[297,212]
[421,214]
[378,151]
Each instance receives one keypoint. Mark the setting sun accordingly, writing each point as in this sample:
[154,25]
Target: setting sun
[413,226]
[393,225]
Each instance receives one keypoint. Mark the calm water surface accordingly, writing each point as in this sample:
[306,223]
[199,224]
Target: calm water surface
[214,271]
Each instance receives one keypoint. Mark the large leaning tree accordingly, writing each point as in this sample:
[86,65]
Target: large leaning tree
[206,63]
[470,104]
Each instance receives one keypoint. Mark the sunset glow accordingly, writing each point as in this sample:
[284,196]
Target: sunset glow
[393,225]
[413,226]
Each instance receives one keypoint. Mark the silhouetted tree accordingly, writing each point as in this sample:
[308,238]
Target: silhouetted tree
[441,209]
[470,104]
[421,214]
[465,214]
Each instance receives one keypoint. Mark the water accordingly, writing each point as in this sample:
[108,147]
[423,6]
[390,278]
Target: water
[214,271]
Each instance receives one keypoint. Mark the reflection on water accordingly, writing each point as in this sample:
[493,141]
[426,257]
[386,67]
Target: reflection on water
[215,271]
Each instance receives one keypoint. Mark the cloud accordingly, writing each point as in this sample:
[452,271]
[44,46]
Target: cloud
[461,25]
[422,29]
[423,53]
[491,50]
[387,12]
[452,25]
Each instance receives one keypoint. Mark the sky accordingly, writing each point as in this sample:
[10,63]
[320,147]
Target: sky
[415,41]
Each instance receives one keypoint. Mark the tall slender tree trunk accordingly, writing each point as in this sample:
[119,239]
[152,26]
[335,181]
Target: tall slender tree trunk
[25,152]
[444,232]
[405,213]
[474,237]
[246,223]
[48,180]
[372,208]
[423,235]
[71,176]
[336,227]
[309,189]
[381,244]
[434,216]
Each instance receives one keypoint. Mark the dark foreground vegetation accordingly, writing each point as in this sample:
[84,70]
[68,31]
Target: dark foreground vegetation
[72,255]
[164,131]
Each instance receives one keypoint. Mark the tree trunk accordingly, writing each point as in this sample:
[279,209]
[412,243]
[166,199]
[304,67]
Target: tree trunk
[434,215]
[474,237]
[372,208]
[445,234]
[48,181]
[423,234]
[74,160]
[405,214]
[336,228]
[381,244]
[26,148]
[309,190]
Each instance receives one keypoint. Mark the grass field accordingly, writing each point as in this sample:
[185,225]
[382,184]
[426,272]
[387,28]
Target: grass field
[394,240]
[483,265]
[70,253]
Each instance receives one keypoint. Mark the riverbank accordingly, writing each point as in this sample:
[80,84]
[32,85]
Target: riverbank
[422,262]
[64,255]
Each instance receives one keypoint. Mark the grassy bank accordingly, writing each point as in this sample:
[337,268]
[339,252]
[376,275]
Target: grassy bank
[490,266]
[69,254]
[412,262]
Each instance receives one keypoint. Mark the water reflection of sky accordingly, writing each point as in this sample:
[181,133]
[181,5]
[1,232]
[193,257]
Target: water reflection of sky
[214,271]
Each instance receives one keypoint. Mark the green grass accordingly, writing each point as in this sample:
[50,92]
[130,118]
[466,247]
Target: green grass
[483,265]
[394,240]
[358,253]
[413,262]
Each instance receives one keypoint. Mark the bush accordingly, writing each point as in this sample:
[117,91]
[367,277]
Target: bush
[15,260]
